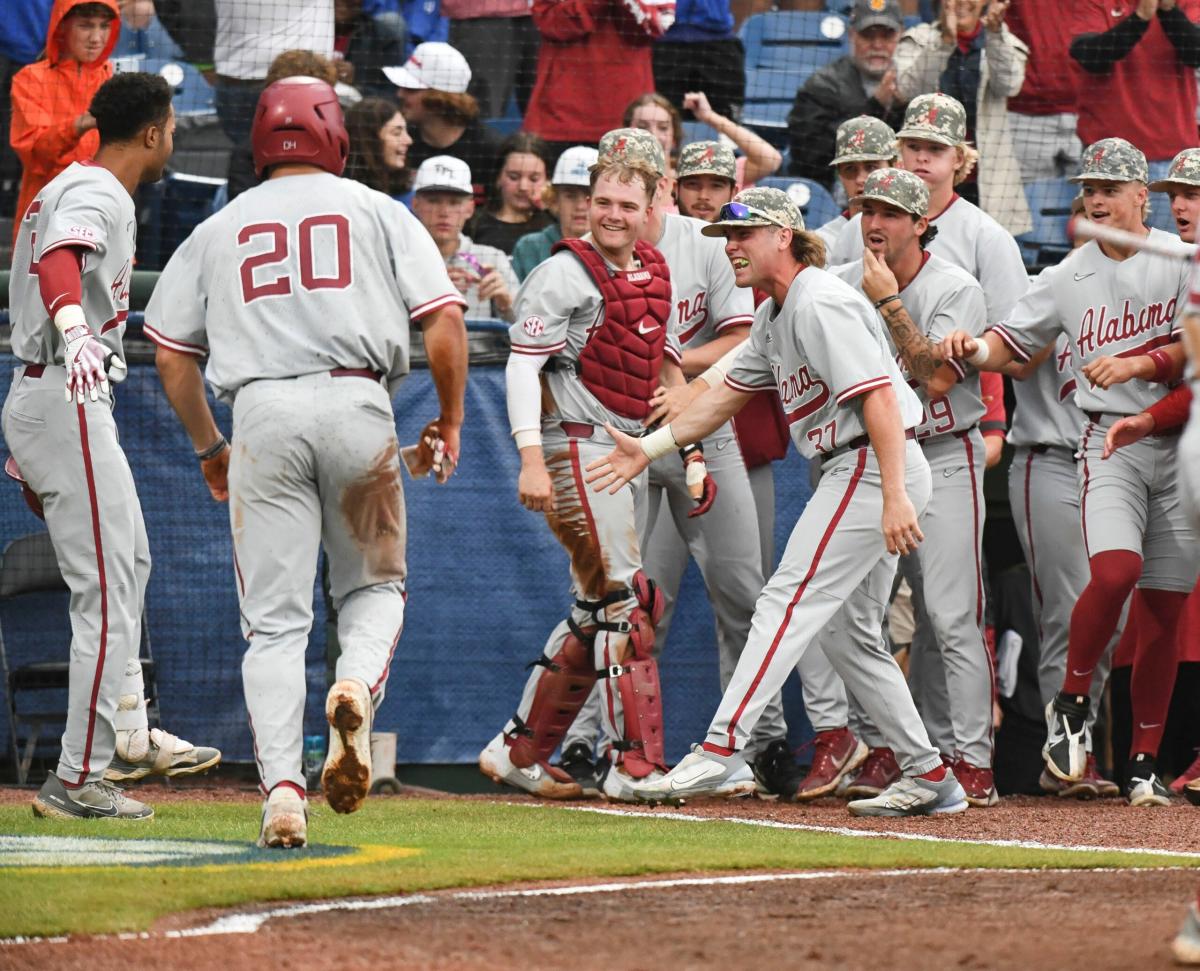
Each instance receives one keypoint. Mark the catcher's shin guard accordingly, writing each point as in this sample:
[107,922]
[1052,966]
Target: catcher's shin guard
[637,681]
[561,691]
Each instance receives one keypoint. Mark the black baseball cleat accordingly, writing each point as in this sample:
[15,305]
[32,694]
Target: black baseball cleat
[1065,750]
[776,772]
[1142,785]
[96,800]
[577,763]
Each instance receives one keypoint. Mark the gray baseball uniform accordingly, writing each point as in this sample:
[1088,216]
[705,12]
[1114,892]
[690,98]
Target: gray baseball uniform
[1043,483]
[821,350]
[70,455]
[557,309]
[301,292]
[1104,307]
[1189,444]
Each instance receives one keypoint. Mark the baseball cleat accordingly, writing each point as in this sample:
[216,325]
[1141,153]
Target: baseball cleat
[95,800]
[914,796]
[1191,792]
[140,753]
[284,820]
[346,778]
[878,772]
[1187,777]
[978,783]
[776,772]
[1065,750]
[540,779]
[835,753]
[619,786]
[701,773]
[1186,946]
[1144,788]
[577,763]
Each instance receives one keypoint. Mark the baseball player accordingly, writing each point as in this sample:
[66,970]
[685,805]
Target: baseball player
[714,316]
[819,344]
[1113,302]
[300,293]
[593,338]
[863,144]
[1182,186]
[69,295]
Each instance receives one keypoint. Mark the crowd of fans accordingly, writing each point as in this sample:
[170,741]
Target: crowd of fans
[421,86]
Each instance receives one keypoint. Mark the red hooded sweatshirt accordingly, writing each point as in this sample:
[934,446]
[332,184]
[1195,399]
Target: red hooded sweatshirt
[47,97]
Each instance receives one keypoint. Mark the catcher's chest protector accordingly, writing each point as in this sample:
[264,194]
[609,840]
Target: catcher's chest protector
[621,361]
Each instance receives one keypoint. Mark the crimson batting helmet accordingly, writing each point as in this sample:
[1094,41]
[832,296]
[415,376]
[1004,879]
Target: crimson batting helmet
[299,119]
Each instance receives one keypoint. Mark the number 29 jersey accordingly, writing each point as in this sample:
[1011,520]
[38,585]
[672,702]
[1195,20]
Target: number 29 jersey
[299,275]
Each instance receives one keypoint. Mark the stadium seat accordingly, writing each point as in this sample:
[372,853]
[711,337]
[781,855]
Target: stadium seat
[814,199]
[1050,206]
[697,131]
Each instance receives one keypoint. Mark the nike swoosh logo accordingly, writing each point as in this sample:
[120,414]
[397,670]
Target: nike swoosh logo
[723,445]
[643,329]
[949,472]
[698,774]
[1081,674]
[1083,276]
[1143,726]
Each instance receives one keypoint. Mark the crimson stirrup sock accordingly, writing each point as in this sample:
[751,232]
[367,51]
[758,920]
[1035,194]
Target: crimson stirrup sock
[1114,572]
[1154,666]
[934,775]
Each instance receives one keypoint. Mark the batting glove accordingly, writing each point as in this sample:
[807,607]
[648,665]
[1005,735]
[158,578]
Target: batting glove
[84,358]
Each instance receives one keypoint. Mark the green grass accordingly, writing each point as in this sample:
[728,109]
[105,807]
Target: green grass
[461,844]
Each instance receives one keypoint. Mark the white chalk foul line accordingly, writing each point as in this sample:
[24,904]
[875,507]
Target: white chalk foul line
[250,922]
[873,833]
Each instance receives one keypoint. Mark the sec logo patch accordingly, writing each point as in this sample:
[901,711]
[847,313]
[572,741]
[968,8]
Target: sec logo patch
[534,326]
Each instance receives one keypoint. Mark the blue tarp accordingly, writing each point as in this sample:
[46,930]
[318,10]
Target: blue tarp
[486,584]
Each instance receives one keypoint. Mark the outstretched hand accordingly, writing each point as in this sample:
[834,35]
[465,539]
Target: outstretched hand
[620,466]
[1126,431]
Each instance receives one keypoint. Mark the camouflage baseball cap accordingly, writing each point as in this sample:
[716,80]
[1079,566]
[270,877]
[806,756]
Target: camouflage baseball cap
[634,147]
[1112,160]
[864,139]
[898,188]
[935,118]
[1184,170]
[757,207]
[707,158]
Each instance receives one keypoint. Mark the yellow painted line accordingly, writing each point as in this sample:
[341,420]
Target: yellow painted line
[363,856]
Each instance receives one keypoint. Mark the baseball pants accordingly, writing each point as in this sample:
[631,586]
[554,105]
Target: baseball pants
[1189,461]
[71,458]
[1043,492]
[600,534]
[315,462]
[836,546]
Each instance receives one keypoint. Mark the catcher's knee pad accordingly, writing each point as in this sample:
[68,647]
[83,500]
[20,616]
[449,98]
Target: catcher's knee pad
[562,689]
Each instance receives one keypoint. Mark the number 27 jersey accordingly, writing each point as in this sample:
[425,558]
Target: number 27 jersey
[299,275]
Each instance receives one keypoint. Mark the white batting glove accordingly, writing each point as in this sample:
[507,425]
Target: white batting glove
[84,357]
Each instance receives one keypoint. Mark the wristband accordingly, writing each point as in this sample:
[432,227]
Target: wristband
[527,436]
[880,303]
[68,316]
[1164,367]
[713,377]
[981,354]
[659,443]
[214,449]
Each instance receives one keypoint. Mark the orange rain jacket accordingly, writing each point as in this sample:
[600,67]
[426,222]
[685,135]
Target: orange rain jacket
[47,97]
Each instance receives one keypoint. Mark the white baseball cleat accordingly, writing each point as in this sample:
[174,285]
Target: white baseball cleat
[914,796]
[540,779]
[284,820]
[619,786]
[1186,946]
[700,773]
[346,778]
[142,752]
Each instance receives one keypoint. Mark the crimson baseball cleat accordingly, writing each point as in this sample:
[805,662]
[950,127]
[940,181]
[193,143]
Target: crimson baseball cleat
[978,783]
[835,753]
[878,772]
[1188,776]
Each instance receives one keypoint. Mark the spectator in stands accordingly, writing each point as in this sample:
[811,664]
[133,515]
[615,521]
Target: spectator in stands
[250,34]
[143,35]
[500,42]
[1042,117]
[443,199]
[701,53]
[192,24]
[515,207]
[1136,64]
[289,64]
[51,124]
[594,59]
[365,45]
[569,198]
[861,83]
[442,118]
[379,143]
[948,58]
[21,43]
[864,144]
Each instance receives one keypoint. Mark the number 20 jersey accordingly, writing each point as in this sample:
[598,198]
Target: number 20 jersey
[299,275]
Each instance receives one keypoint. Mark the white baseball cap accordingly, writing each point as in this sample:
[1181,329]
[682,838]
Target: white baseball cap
[432,65]
[444,173]
[574,166]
